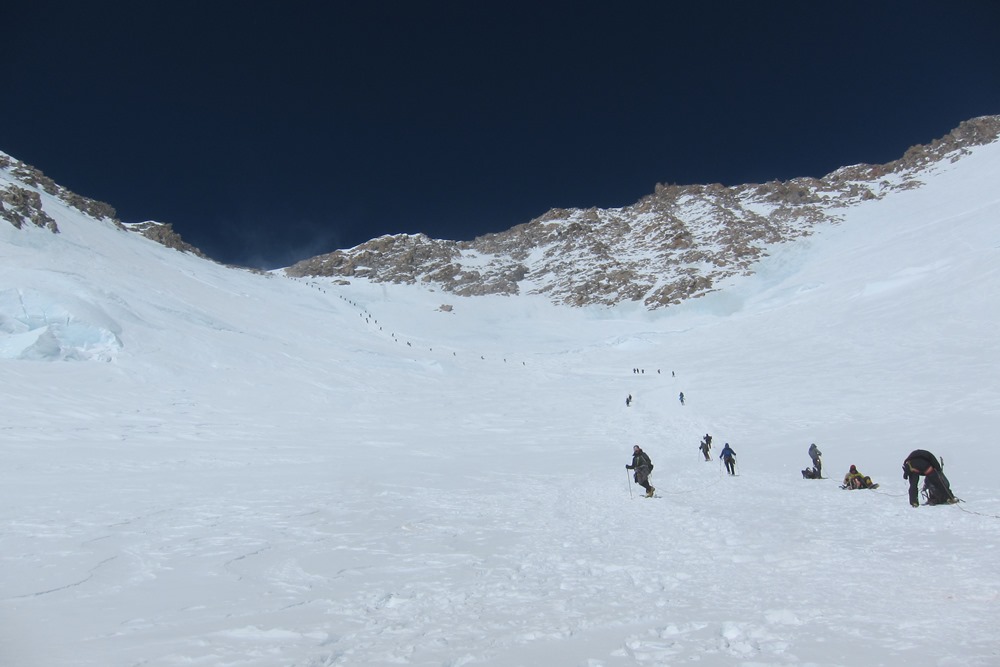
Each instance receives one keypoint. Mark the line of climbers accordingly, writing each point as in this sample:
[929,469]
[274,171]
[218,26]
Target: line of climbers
[370,318]
[920,463]
[642,465]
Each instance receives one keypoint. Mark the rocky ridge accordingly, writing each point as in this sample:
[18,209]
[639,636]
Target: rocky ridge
[675,244]
[21,204]
[164,234]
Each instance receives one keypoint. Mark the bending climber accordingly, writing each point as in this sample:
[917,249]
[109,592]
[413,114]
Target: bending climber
[921,462]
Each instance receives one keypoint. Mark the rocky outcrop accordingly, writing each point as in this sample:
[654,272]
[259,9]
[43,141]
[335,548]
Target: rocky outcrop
[36,180]
[21,204]
[164,234]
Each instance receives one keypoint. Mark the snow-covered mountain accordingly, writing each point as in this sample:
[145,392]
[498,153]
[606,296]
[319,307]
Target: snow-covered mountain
[680,242]
[206,465]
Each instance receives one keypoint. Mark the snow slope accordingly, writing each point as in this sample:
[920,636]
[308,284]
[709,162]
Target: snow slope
[207,466]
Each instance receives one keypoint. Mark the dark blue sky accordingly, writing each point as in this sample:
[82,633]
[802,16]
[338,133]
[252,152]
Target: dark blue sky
[267,132]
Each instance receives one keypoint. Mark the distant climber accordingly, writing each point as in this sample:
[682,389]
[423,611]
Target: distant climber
[728,456]
[681,398]
[817,459]
[706,447]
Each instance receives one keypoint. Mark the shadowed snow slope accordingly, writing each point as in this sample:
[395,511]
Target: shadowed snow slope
[207,466]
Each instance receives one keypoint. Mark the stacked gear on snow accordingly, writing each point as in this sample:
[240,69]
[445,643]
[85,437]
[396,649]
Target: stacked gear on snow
[811,473]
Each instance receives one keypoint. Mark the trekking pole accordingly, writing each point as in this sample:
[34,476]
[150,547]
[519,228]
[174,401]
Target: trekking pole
[628,481]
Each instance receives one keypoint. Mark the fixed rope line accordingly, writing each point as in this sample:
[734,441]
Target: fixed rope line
[891,495]
[992,516]
[959,504]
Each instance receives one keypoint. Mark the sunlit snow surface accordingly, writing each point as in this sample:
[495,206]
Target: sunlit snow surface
[205,466]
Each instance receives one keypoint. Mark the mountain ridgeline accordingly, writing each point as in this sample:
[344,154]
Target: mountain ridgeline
[675,244]
[21,205]
[678,243]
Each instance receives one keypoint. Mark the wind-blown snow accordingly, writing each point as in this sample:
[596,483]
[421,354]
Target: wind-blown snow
[207,466]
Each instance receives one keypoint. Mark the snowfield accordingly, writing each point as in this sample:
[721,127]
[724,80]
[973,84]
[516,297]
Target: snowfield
[207,466]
